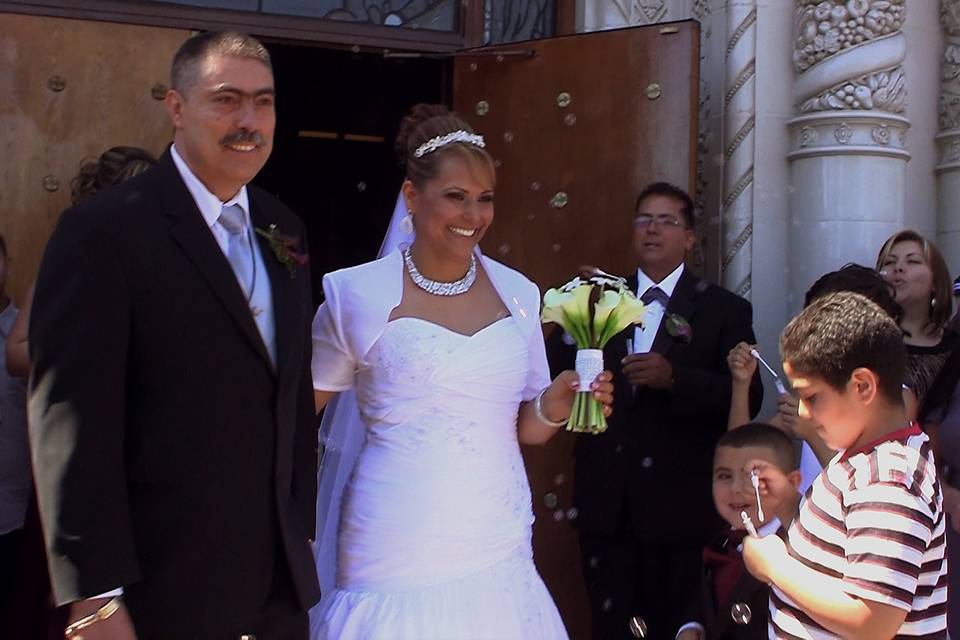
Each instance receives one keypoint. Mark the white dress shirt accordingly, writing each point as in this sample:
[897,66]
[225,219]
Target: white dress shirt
[210,205]
[643,336]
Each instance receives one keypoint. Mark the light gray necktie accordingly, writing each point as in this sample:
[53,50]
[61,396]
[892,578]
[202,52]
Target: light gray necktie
[239,252]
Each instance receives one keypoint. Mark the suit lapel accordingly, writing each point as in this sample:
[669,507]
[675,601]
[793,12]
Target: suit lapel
[282,285]
[681,304]
[190,231]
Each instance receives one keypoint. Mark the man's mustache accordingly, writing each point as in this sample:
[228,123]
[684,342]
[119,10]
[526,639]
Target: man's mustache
[243,136]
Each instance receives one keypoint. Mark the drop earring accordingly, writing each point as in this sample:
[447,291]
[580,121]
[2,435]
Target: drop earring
[406,223]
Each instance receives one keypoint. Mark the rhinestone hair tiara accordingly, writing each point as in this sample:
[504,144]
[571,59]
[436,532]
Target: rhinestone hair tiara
[433,144]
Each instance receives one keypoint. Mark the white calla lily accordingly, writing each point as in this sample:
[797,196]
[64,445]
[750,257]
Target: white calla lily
[630,310]
[608,301]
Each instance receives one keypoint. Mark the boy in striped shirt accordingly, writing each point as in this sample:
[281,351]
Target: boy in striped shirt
[865,556]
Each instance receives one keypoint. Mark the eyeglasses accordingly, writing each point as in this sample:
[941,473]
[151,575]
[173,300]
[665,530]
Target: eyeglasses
[662,220]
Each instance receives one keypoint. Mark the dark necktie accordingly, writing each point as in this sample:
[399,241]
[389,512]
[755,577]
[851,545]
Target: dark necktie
[655,294]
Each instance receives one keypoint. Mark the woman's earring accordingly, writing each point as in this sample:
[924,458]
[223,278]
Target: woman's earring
[406,223]
[933,303]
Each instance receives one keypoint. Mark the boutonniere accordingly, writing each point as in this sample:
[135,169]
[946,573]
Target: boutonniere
[679,328]
[284,247]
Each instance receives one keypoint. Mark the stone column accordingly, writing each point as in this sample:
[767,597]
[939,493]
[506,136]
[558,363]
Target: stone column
[948,140]
[848,157]
[739,121]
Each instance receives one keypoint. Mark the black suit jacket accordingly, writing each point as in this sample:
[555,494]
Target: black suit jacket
[717,617]
[172,458]
[656,457]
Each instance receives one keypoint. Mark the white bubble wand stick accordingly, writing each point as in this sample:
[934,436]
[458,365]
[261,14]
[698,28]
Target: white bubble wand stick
[755,481]
[781,388]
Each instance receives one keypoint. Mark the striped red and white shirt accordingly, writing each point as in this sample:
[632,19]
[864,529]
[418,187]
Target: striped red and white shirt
[874,519]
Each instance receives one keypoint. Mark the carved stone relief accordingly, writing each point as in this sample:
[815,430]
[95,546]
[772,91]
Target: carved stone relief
[848,55]
[949,108]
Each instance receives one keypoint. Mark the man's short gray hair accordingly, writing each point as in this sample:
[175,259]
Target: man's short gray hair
[193,52]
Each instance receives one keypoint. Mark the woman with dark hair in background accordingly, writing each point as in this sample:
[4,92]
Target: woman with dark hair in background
[114,165]
[923,287]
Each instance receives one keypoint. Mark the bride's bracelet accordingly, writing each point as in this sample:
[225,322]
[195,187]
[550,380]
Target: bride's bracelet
[104,612]
[538,409]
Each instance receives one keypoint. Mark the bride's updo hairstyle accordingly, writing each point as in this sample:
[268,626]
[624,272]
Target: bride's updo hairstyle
[427,121]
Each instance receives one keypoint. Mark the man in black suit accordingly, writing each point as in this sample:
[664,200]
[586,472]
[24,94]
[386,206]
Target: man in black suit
[643,487]
[171,406]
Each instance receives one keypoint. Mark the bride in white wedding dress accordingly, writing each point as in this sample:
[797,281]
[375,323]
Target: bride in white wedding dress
[442,349]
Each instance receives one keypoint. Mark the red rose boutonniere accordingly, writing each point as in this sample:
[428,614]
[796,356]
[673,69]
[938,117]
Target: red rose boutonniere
[284,247]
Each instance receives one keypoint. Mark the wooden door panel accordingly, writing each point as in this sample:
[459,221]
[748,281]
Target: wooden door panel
[630,120]
[600,149]
[104,99]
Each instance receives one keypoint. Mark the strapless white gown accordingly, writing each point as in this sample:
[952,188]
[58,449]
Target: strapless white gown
[436,518]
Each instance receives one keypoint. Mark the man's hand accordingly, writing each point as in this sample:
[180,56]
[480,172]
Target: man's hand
[790,420]
[762,555]
[587,271]
[742,364]
[116,627]
[648,370]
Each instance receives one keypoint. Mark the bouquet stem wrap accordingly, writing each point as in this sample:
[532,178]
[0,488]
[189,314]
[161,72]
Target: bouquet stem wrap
[587,413]
[591,312]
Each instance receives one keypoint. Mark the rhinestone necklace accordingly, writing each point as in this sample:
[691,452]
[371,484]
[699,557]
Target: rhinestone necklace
[441,288]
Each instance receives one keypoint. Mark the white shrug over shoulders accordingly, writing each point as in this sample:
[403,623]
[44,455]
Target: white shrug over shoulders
[358,304]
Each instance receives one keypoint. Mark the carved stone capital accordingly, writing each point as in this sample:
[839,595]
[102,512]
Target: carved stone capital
[948,151]
[859,133]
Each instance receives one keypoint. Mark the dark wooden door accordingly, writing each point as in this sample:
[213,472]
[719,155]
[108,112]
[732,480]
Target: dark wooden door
[577,126]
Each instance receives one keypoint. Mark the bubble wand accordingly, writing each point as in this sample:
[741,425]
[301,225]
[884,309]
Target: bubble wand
[755,481]
[781,388]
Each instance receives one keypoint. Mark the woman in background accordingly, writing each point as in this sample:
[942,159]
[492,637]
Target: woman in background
[924,289]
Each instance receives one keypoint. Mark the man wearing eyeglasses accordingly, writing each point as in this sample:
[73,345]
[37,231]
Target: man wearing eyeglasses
[643,488]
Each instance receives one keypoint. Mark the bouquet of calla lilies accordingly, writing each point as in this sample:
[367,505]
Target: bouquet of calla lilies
[591,311]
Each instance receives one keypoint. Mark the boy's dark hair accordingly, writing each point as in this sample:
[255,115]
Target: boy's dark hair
[843,331]
[858,279]
[761,434]
[669,191]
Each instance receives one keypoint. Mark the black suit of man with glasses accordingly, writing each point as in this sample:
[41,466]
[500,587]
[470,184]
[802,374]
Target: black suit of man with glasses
[643,488]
